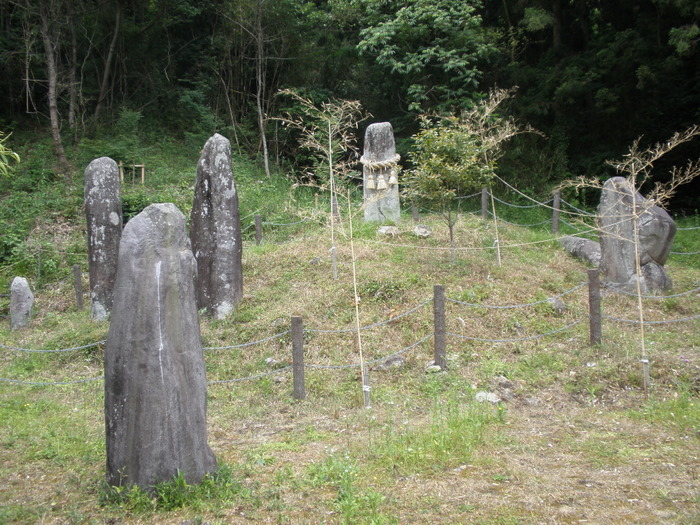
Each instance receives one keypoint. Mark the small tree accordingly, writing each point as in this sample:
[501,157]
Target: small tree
[454,155]
[326,132]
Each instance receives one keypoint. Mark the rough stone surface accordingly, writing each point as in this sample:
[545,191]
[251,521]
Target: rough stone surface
[155,383]
[381,205]
[215,231]
[103,210]
[656,231]
[21,303]
[391,363]
[584,249]
[422,231]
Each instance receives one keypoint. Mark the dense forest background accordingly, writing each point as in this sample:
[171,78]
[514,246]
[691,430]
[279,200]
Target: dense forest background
[591,75]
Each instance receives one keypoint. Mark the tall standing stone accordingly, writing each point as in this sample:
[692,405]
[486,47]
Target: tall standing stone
[656,229]
[103,209]
[380,174]
[155,384]
[21,303]
[215,231]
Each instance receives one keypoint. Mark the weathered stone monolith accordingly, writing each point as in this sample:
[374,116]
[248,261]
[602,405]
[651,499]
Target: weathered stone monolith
[21,303]
[380,174]
[103,209]
[215,231]
[619,203]
[155,383]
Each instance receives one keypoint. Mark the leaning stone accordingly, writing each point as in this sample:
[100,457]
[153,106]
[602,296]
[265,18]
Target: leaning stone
[216,231]
[388,231]
[422,231]
[103,210]
[584,249]
[380,174]
[619,202]
[155,383]
[21,303]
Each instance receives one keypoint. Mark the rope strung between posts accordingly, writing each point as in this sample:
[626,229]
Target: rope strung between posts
[582,212]
[54,351]
[518,205]
[507,307]
[669,321]
[257,376]
[688,229]
[528,338]
[632,294]
[243,345]
[41,383]
[381,323]
[546,221]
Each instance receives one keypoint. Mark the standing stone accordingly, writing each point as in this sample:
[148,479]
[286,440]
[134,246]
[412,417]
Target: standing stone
[21,303]
[216,231]
[656,230]
[380,174]
[103,208]
[155,384]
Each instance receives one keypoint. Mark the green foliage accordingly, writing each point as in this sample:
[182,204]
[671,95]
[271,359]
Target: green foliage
[219,487]
[7,156]
[435,46]
[448,163]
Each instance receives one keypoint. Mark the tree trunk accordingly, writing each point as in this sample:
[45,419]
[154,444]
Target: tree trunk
[556,24]
[260,81]
[62,162]
[104,85]
[72,68]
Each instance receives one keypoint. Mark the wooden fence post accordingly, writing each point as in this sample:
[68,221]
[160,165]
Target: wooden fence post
[414,212]
[258,229]
[556,204]
[78,284]
[594,306]
[484,203]
[298,357]
[439,325]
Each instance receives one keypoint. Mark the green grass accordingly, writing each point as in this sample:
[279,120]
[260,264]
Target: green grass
[426,451]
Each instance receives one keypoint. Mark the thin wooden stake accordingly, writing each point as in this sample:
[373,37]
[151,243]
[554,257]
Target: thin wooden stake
[556,205]
[594,315]
[363,368]
[78,284]
[439,326]
[298,357]
[484,203]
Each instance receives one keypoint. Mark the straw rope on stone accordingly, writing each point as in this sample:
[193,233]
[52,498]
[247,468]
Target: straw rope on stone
[380,164]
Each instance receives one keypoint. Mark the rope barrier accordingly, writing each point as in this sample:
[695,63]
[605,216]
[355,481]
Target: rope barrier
[243,345]
[284,223]
[547,221]
[41,383]
[582,212]
[685,253]
[347,330]
[688,229]
[53,351]
[257,376]
[517,205]
[669,321]
[528,338]
[512,306]
[632,294]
